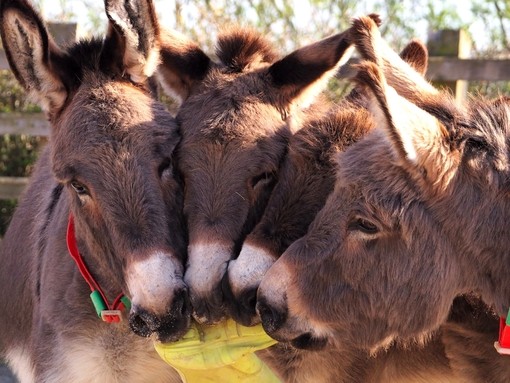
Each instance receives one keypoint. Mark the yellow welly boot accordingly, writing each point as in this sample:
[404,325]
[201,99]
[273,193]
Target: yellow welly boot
[221,353]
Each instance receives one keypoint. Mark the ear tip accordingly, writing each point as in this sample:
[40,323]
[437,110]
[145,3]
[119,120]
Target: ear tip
[417,44]
[376,18]
[26,14]
[364,24]
[369,75]
[363,30]
[239,47]
[23,9]
[22,5]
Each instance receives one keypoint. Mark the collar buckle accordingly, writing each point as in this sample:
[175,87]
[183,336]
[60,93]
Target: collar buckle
[503,344]
[113,316]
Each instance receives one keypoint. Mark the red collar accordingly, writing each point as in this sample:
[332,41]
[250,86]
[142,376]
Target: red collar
[503,343]
[108,313]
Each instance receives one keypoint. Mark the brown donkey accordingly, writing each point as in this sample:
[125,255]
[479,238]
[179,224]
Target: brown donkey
[236,120]
[106,179]
[393,245]
[306,178]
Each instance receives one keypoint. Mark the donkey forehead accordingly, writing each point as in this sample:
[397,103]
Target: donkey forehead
[232,159]
[236,105]
[118,112]
[370,167]
[115,120]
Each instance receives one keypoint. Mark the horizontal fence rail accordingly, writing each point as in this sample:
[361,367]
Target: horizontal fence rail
[32,124]
[453,69]
[11,187]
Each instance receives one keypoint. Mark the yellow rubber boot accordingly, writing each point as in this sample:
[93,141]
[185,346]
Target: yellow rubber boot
[221,353]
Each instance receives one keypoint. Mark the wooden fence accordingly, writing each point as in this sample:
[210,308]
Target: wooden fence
[446,67]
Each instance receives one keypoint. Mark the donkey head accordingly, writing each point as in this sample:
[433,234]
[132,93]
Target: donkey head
[416,218]
[236,119]
[111,146]
[306,179]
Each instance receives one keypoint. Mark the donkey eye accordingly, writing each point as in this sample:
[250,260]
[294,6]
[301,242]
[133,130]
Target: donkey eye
[262,179]
[364,226]
[165,167]
[79,188]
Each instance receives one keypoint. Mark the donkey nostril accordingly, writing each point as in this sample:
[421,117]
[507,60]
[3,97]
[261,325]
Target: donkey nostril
[272,318]
[139,326]
[142,323]
[180,305]
[248,300]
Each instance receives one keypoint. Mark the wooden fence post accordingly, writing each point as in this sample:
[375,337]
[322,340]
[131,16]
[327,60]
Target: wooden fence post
[63,32]
[451,43]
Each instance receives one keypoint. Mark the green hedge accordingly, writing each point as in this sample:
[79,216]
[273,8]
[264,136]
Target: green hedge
[17,152]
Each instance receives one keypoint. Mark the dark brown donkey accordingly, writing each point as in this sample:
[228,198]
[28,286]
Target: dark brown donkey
[417,217]
[236,119]
[105,178]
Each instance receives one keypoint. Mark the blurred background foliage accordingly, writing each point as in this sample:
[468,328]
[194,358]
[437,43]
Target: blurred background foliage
[288,23]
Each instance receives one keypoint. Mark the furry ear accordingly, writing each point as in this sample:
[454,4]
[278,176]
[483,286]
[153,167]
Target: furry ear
[421,144]
[183,65]
[33,56]
[300,76]
[401,75]
[132,42]
[244,49]
[416,55]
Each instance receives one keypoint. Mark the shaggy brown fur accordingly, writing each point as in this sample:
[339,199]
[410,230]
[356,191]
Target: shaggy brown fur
[306,178]
[306,168]
[236,119]
[109,162]
[395,240]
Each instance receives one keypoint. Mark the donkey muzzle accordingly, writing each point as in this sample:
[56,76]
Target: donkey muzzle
[168,327]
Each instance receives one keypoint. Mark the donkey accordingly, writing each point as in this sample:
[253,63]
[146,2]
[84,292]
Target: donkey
[306,178]
[107,180]
[236,119]
[388,255]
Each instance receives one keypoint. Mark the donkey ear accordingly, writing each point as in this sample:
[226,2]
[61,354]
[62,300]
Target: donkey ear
[419,141]
[33,56]
[184,64]
[406,78]
[132,43]
[416,55]
[300,76]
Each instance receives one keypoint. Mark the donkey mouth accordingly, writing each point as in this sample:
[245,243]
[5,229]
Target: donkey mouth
[242,308]
[308,342]
[167,329]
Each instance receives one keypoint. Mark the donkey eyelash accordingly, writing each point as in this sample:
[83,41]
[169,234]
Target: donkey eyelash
[264,177]
[79,188]
[165,164]
[363,225]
